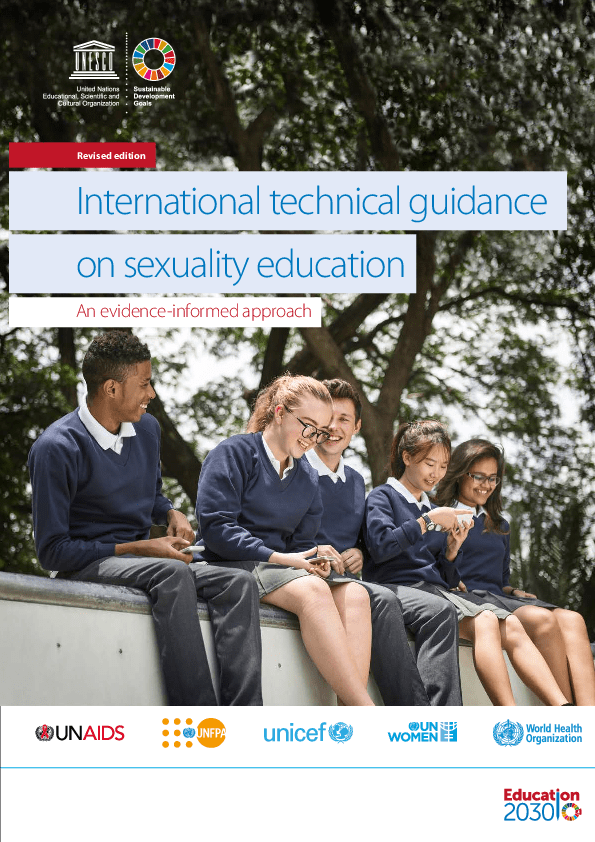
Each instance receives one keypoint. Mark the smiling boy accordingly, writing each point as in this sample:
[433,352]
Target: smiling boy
[343,494]
[96,482]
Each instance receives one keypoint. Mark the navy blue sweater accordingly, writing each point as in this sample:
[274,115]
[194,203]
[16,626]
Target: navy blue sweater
[398,553]
[245,511]
[343,510]
[86,499]
[485,563]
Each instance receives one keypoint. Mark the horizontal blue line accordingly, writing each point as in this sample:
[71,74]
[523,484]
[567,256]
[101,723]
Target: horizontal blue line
[298,767]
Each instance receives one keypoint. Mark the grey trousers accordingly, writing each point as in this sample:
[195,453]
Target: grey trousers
[434,624]
[172,587]
[393,665]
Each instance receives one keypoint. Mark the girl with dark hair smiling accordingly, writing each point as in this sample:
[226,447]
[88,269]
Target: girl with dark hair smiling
[474,481]
[415,545]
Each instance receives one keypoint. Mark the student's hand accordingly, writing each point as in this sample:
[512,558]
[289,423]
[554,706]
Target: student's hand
[302,561]
[448,517]
[354,559]
[455,538]
[522,594]
[337,563]
[166,547]
[462,586]
[178,525]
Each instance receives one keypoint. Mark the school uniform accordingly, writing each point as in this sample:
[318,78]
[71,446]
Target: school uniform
[246,511]
[484,566]
[415,567]
[93,490]
[393,666]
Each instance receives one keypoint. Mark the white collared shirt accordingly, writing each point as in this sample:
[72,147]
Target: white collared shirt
[479,510]
[398,486]
[103,437]
[275,462]
[323,470]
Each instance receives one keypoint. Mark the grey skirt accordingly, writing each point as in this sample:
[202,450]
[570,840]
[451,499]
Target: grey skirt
[512,602]
[269,577]
[467,604]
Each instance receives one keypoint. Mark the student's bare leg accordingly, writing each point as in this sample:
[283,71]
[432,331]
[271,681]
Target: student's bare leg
[323,635]
[542,627]
[484,633]
[529,663]
[578,651]
[353,604]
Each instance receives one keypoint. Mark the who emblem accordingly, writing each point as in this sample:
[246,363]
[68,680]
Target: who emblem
[508,733]
[340,732]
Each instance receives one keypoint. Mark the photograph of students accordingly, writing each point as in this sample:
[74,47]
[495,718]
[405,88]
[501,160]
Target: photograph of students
[343,494]
[258,507]
[413,545]
[473,480]
[96,482]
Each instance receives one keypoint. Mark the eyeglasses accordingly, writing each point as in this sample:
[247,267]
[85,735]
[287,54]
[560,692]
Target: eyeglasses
[310,431]
[481,478]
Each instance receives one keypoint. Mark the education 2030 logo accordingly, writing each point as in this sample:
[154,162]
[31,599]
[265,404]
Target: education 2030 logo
[547,805]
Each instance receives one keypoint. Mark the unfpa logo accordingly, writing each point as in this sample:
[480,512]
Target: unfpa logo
[210,733]
[508,733]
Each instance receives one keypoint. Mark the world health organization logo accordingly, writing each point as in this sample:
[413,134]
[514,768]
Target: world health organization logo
[340,732]
[508,733]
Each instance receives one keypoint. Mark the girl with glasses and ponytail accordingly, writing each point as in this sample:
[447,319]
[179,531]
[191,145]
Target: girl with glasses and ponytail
[474,481]
[415,548]
[259,507]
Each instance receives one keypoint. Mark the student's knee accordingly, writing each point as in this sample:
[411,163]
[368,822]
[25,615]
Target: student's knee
[537,620]
[445,613]
[357,596]
[512,628]
[314,594]
[570,621]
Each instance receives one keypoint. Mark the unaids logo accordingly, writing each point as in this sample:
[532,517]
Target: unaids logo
[508,733]
[340,732]
[44,733]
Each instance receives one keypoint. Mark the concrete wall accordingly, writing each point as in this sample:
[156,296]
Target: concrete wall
[78,643]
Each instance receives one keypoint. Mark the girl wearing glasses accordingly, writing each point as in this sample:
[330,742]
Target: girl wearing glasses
[474,481]
[258,506]
[414,545]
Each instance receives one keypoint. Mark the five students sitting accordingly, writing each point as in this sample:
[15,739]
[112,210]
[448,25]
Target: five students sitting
[297,533]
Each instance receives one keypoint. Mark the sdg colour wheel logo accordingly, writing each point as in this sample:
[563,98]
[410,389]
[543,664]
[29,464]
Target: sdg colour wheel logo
[153,51]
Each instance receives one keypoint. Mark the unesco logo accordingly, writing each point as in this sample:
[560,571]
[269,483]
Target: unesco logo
[508,733]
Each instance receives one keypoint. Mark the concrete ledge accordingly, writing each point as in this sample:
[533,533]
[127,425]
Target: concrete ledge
[23,588]
[81,643]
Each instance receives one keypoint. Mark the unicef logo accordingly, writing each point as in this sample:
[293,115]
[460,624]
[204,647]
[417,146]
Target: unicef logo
[414,726]
[508,733]
[340,732]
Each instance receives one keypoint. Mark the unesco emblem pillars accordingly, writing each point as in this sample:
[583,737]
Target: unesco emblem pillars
[94,60]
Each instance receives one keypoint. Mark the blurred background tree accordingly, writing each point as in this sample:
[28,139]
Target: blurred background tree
[498,338]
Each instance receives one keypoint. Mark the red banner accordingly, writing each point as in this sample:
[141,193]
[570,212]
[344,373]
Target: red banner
[84,155]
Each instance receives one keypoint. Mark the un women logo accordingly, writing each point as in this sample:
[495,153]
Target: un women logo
[340,732]
[508,733]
